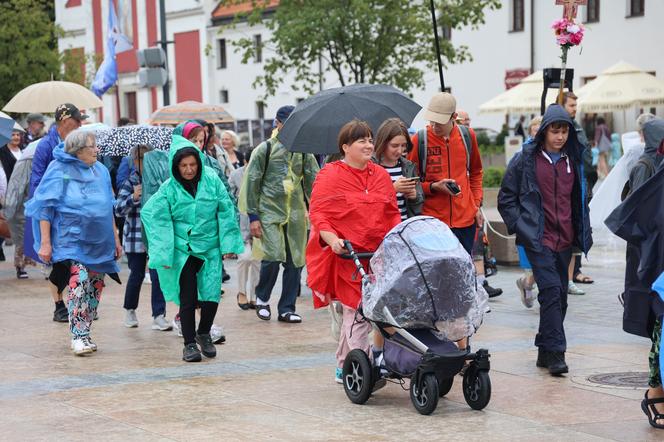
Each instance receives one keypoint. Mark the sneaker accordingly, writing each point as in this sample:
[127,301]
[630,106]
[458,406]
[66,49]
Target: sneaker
[160,323]
[61,314]
[338,376]
[177,326]
[207,347]
[572,289]
[527,293]
[217,334]
[492,292]
[90,343]
[553,360]
[147,279]
[21,274]
[191,353]
[80,346]
[131,321]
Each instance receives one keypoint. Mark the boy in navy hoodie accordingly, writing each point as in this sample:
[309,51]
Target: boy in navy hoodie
[543,200]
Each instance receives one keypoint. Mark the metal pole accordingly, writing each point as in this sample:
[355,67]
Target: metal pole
[164,46]
[437,44]
[532,36]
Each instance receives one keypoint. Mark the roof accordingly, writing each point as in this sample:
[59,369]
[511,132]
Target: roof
[224,11]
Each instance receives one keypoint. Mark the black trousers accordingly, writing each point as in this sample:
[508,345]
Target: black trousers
[189,301]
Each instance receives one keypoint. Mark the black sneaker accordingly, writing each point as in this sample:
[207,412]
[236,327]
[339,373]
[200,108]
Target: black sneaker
[21,274]
[491,291]
[553,360]
[191,353]
[541,358]
[225,277]
[207,347]
[61,314]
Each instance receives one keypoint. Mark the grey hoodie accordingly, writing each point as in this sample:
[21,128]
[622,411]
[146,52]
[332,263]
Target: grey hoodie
[653,133]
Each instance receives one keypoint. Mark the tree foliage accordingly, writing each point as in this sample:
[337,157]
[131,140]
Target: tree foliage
[28,45]
[361,41]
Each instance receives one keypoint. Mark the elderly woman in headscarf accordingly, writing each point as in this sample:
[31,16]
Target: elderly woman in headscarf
[72,216]
[190,224]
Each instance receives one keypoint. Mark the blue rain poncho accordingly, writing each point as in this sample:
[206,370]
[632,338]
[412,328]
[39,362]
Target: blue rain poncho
[77,199]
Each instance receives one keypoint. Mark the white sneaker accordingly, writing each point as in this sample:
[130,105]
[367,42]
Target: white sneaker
[217,334]
[80,346]
[131,320]
[527,293]
[177,326]
[90,343]
[147,279]
[160,323]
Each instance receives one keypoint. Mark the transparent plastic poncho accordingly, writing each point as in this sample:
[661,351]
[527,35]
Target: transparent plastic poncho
[423,278]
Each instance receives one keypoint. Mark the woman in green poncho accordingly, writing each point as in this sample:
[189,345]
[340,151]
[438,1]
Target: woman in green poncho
[189,225]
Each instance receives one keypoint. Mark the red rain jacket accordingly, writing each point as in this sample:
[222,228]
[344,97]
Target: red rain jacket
[357,205]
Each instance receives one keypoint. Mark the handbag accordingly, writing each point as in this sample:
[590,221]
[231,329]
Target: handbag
[4,227]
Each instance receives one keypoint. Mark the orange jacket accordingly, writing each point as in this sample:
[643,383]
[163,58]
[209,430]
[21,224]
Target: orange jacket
[446,158]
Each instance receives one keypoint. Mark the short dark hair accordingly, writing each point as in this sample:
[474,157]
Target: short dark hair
[351,132]
[569,96]
[391,128]
[558,125]
[601,120]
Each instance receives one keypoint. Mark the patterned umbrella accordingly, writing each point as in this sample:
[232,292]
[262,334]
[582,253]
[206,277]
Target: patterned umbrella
[7,126]
[118,141]
[190,110]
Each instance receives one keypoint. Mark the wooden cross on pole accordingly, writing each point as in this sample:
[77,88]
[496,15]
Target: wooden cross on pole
[571,7]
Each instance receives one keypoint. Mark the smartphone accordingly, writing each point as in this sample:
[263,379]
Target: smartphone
[413,179]
[453,188]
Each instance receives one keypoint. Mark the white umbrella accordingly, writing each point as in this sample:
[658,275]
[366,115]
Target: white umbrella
[524,98]
[620,87]
[47,95]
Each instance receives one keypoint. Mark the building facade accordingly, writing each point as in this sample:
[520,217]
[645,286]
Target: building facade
[205,66]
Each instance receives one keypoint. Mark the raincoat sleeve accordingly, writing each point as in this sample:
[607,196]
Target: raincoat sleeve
[639,174]
[155,172]
[253,181]
[157,220]
[47,196]
[325,203]
[310,171]
[230,239]
[508,196]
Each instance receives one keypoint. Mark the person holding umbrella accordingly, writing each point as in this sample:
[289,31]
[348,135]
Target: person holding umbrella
[276,185]
[190,224]
[128,206]
[352,199]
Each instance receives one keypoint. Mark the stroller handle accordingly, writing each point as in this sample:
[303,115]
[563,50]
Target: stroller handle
[352,254]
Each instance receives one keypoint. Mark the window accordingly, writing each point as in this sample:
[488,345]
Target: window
[592,11]
[517,16]
[260,110]
[636,8]
[72,3]
[221,53]
[223,96]
[258,48]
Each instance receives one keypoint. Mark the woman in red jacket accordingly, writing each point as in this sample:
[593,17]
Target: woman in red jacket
[352,199]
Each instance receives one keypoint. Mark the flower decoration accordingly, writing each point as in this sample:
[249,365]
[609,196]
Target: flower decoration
[568,32]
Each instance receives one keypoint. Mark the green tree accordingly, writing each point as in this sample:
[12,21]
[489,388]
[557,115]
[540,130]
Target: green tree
[362,41]
[28,45]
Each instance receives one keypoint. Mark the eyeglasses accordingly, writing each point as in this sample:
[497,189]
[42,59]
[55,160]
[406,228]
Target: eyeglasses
[94,146]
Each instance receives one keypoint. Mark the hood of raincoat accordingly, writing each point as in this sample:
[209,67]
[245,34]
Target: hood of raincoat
[77,199]
[653,134]
[180,149]
[556,113]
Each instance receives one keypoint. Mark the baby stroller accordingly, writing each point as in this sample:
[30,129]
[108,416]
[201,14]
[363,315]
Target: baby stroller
[421,296]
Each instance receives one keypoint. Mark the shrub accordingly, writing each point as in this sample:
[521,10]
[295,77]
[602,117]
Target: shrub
[493,176]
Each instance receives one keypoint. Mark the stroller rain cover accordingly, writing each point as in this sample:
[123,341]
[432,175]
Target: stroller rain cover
[425,279]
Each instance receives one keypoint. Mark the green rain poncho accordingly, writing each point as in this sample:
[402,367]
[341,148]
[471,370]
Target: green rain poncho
[276,195]
[178,225]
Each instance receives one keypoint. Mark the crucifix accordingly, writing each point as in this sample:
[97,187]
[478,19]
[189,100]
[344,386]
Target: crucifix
[571,7]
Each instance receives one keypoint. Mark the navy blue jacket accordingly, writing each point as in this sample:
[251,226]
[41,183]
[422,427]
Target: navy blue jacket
[520,200]
[43,157]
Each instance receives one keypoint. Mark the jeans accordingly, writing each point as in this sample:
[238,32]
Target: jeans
[551,274]
[290,283]
[466,236]
[137,263]
[189,301]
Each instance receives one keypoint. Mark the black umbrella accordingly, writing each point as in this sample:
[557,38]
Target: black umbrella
[639,220]
[314,125]
[118,141]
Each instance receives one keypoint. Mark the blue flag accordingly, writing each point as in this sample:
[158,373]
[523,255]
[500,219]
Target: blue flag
[107,74]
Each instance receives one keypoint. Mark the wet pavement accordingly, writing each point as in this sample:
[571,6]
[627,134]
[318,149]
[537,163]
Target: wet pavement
[275,381]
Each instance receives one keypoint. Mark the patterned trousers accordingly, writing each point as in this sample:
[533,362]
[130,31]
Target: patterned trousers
[655,377]
[83,297]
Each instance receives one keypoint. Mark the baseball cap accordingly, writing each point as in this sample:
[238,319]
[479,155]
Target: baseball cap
[68,110]
[284,112]
[440,108]
[35,117]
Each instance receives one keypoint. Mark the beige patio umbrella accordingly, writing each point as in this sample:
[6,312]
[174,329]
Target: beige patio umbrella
[620,87]
[190,110]
[524,98]
[47,95]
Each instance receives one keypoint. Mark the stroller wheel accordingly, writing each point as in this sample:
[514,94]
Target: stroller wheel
[357,376]
[425,397]
[444,386]
[476,388]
